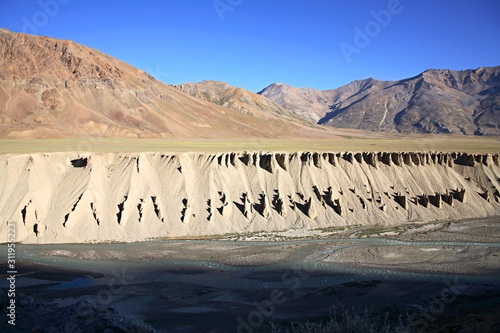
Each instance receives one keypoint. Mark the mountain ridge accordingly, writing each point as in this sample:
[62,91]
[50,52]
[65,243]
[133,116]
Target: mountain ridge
[434,101]
[52,88]
[239,99]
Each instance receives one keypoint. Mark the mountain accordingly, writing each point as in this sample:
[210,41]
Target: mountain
[308,103]
[57,88]
[436,101]
[239,99]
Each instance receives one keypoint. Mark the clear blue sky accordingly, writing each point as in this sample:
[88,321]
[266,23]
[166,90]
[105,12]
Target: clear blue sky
[253,43]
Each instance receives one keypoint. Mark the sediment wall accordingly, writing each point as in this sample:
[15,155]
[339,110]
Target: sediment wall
[94,197]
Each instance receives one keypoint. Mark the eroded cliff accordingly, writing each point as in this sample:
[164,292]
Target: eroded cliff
[87,197]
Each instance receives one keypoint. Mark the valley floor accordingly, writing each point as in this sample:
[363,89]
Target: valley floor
[434,277]
[340,140]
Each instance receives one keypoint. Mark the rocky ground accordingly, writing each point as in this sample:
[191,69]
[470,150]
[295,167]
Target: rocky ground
[418,278]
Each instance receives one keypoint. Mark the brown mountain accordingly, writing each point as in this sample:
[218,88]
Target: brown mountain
[436,101]
[239,99]
[57,88]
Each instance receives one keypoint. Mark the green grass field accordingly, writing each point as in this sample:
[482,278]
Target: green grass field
[393,143]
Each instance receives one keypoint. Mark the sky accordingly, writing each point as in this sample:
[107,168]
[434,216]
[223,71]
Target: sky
[320,44]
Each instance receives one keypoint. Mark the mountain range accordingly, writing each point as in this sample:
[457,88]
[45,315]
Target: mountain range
[58,88]
[52,88]
[435,101]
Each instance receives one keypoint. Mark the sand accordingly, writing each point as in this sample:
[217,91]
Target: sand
[129,197]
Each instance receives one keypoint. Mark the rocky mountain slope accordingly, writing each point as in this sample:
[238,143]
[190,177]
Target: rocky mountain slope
[436,101]
[57,88]
[75,198]
[239,99]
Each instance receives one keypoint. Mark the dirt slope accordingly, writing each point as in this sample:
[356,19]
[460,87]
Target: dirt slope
[75,198]
[57,88]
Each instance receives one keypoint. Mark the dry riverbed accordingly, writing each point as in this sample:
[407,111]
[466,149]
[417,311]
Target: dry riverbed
[220,285]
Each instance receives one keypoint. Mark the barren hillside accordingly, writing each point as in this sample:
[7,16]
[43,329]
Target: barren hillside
[239,99]
[436,101]
[57,88]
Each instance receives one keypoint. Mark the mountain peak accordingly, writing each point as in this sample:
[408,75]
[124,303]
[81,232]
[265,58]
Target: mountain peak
[276,86]
[280,85]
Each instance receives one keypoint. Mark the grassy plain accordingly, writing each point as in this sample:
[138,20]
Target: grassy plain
[408,143]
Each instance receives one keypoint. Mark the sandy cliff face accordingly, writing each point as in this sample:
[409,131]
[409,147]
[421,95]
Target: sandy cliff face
[70,197]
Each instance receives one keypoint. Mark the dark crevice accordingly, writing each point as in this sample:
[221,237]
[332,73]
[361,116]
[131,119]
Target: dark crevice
[459,194]
[291,203]
[363,204]
[277,203]
[245,159]
[139,209]
[222,198]
[266,162]
[448,198]
[24,211]
[423,200]
[209,209]
[121,207]
[401,200]
[76,203]
[328,197]
[246,208]
[260,207]
[348,157]
[435,200]
[316,160]
[280,159]
[336,207]
[331,159]
[156,208]
[79,162]
[94,213]
[317,193]
[184,210]
[306,208]
[66,217]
